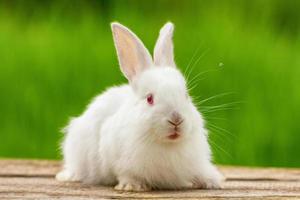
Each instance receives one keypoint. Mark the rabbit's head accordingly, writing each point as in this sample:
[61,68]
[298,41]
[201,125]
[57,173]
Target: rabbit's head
[165,109]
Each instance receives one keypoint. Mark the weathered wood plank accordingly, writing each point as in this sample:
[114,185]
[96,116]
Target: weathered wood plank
[28,167]
[244,173]
[48,168]
[23,179]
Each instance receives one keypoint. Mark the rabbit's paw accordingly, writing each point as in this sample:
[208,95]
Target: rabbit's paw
[132,186]
[211,178]
[208,183]
[65,176]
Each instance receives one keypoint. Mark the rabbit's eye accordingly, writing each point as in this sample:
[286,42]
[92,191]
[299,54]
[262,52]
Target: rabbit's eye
[150,99]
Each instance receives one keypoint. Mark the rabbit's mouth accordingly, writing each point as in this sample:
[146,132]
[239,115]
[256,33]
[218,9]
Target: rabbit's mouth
[175,131]
[174,136]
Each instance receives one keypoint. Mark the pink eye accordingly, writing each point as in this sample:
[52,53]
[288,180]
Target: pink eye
[150,99]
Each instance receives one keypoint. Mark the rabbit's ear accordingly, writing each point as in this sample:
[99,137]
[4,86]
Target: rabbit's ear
[163,50]
[132,54]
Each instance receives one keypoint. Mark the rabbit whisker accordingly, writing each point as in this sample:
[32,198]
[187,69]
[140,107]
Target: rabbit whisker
[195,64]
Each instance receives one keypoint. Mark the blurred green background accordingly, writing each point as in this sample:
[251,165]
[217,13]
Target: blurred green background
[56,55]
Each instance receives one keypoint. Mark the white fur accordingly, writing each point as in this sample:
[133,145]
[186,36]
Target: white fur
[121,140]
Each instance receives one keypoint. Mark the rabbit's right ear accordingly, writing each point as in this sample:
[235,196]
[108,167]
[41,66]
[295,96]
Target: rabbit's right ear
[163,50]
[132,54]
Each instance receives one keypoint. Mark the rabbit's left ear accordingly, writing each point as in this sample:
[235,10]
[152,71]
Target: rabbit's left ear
[163,50]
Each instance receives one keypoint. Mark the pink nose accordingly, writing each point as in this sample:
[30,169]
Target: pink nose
[176,119]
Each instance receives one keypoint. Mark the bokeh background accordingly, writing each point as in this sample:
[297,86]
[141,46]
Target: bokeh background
[56,55]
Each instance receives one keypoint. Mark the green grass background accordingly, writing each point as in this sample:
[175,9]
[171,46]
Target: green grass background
[56,55]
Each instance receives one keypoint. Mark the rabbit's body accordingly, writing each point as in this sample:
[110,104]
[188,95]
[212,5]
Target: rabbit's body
[81,145]
[144,135]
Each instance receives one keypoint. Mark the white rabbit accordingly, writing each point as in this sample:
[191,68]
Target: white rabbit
[143,135]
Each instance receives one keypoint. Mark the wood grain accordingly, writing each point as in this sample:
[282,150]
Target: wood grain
[33,179]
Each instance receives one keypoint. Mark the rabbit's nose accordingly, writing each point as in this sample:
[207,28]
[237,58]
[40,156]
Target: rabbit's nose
[176,119]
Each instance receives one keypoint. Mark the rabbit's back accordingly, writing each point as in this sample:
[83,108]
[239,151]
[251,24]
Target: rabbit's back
[108,102]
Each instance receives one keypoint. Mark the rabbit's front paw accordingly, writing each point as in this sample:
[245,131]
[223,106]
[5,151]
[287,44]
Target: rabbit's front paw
[211,178]
[66,176]
[213,182]
[132,186]
[207,184]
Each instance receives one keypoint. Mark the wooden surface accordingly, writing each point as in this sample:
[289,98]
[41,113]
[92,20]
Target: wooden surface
[29,179]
